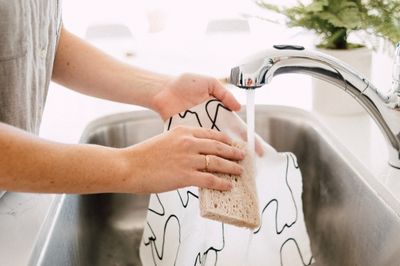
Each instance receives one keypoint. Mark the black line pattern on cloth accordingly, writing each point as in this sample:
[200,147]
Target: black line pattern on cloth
[274,200]
[183,116]
[188,194]
[216,250]
[152,240]
[214,120]
[294,160]
[296,166]
[203,258]
[290,239]
[162,213]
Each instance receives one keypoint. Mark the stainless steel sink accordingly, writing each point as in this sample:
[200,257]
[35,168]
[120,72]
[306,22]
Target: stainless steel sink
[350,217]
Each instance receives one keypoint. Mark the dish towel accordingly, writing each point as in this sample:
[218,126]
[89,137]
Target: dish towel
[176,234]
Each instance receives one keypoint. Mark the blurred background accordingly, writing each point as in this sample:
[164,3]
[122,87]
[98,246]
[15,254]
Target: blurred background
[177,30]
[176,36]
[142,17]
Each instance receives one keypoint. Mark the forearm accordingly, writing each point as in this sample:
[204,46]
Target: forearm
[30,164]
[84,68]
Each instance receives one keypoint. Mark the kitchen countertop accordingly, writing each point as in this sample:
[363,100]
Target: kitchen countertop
[22,214]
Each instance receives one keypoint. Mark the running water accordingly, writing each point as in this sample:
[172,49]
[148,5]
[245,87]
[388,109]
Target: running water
[251,146]
[250,120]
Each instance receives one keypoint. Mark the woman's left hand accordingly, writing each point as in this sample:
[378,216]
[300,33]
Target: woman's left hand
[189,90]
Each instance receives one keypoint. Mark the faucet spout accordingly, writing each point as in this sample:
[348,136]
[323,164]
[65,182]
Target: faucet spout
[383,107]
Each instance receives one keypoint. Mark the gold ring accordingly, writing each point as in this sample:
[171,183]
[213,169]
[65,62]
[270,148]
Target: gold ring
[207,159]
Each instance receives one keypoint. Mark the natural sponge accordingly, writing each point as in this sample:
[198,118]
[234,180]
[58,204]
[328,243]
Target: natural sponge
[239,206]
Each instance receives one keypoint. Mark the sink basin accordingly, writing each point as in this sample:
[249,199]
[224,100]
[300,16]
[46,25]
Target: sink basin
[350,217]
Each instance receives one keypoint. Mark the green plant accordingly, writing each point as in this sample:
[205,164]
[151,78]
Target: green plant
[383,19]
[334,20]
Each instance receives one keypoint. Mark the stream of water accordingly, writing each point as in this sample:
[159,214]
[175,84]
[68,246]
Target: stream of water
[250,112]
[250,121]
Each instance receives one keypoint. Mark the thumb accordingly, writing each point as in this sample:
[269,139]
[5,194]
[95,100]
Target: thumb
[221,93]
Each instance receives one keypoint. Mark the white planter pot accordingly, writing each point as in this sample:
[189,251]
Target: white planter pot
[328,99]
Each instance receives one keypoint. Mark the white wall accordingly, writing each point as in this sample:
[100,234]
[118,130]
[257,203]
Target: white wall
[189,14]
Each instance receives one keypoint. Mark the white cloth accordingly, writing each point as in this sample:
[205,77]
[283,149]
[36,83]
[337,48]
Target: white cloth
[175,234]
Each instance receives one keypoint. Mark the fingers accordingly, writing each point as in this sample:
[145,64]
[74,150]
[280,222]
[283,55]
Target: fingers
[217,164]
[211,134]
[208,180]
[221,93]
[213,147]
[208,141]
[215,143]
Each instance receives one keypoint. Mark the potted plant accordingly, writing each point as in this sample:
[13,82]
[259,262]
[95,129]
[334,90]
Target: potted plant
[334,21]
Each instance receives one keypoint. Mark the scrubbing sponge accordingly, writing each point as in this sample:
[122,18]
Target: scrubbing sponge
[238,206]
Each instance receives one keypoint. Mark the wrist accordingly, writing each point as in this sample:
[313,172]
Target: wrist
[159,98]
[128,162]
[122,167]
[106,169]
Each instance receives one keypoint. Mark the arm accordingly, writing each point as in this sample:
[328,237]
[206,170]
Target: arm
[86,69]
[30,164]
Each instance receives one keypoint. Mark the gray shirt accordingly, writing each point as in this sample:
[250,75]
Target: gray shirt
[29,31]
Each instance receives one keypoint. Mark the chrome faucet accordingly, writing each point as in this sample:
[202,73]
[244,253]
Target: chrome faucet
[383,106]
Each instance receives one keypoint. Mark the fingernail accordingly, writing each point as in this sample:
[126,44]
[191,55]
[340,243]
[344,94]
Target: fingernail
[230,186]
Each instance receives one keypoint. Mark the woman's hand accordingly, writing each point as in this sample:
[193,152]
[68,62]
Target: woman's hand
[189,90]
[177,158]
